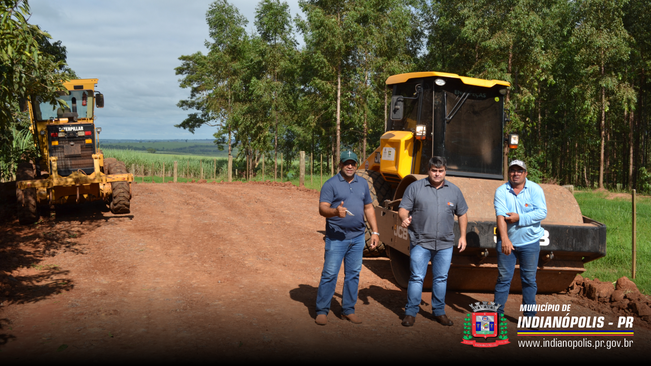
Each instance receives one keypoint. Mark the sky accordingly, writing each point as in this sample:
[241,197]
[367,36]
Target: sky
[133,48]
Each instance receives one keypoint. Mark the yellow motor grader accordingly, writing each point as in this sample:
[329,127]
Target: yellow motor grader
[463,120]
[70,167]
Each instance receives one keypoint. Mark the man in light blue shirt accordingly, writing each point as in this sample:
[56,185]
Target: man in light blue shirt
[520,206]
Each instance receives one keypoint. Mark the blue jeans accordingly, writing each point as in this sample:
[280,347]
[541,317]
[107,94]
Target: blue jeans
[350,251]
[419,258]
[527,256]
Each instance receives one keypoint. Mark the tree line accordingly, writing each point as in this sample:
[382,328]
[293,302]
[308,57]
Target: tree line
[30,65]
[314,81]
[578,72]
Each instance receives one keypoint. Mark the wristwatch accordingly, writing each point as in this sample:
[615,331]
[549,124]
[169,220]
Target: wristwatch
[374,233]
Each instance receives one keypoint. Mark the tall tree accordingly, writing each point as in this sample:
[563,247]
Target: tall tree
[377,53]
[214,79]
[637,21]
[25,69]
[28,68]
[508,40]
[274,25]
[327,35]
[603,42]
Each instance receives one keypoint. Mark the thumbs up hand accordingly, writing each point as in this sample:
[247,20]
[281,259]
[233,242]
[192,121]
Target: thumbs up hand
[406,222]
[341,210]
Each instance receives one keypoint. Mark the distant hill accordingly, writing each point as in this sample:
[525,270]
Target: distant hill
[206,147]
[154,140]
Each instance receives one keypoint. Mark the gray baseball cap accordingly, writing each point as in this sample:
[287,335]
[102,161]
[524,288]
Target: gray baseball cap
[519,163]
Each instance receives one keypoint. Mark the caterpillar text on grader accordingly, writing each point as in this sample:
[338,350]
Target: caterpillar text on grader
[463,119]
[70,167]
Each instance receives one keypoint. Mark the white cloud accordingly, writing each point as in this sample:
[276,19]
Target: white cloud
[133,47]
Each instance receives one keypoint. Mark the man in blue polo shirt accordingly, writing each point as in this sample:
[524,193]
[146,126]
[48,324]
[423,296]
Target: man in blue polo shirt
[345,200]
[428,208]
[520,206]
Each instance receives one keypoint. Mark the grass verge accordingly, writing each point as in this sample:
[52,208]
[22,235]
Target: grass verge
[616,212]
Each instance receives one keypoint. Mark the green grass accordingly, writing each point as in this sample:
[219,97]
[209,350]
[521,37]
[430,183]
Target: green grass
[188,166]
[149,167]
[312,183]
[162,147]
[616,214]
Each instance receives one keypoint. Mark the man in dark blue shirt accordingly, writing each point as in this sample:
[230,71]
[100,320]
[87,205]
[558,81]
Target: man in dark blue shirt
[345,200]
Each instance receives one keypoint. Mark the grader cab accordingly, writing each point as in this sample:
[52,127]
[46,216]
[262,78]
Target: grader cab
[463,120]
[70,167]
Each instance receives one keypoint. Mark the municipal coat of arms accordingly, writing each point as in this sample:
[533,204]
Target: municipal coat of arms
[486,323]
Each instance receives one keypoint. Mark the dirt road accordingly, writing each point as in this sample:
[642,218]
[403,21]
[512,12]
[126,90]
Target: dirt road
[214,272]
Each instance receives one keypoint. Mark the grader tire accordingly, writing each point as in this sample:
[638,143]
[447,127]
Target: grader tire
[380,190]
[27,209]
[120,202]
[107,163]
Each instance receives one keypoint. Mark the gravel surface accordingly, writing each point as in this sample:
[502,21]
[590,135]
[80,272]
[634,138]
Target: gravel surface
[229,271]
